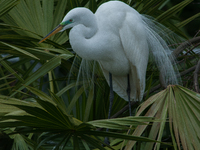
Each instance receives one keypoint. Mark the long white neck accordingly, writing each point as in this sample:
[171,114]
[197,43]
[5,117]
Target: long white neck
[81,37]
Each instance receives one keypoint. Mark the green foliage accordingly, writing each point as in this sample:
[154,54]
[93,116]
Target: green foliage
[42,108]
[179,107]
[7,5]
[49,115]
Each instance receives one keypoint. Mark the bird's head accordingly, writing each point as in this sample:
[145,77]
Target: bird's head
[73,17]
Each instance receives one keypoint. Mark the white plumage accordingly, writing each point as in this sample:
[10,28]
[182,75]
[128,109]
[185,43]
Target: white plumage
[120,39]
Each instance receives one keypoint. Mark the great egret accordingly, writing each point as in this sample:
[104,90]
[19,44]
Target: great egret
[120,39]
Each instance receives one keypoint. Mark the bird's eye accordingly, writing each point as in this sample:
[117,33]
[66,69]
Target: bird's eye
[70,20]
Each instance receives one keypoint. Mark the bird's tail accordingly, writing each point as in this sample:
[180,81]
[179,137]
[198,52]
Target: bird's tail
[158,38]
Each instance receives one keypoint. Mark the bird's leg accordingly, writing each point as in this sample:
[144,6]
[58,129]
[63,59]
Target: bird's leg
[110,106]
[111,95]
[128,93]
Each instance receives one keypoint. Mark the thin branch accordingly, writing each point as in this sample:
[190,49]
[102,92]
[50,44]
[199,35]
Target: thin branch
[192,49]
[184,45]
[178,50]
[196,83]
[188,71]
[197,33]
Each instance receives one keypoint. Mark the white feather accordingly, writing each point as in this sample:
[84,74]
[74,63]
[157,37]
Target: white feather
[120,39]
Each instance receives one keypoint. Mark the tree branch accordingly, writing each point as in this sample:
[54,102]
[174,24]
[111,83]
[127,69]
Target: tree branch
[184,45]
[196,83]
[177,51]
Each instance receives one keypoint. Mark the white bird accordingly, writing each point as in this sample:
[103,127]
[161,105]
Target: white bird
[119,39]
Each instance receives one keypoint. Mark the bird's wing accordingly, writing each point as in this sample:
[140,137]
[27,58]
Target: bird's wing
[134,43]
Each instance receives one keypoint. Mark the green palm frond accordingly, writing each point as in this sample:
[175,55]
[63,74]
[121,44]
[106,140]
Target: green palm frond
[7,5]
[177,107]
[49,116]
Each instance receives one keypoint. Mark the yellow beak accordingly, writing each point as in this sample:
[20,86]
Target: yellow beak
[54,31]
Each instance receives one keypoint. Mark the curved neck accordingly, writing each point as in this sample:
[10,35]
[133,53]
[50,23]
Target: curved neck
[89,27]
[80,36]
[86,27]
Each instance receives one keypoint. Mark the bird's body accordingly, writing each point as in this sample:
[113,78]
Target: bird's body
[110,40]
[120,39]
